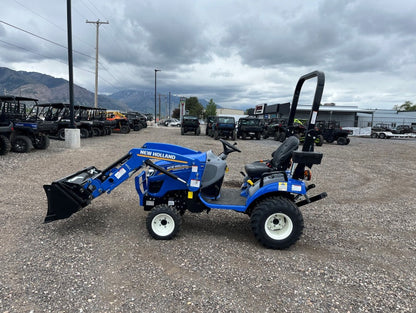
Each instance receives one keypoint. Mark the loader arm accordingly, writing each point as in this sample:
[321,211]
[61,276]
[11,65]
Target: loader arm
[72,193]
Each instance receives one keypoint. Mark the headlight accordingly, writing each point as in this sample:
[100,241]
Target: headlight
[150,172]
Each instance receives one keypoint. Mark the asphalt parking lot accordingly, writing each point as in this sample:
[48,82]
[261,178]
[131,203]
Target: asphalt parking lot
[357,252]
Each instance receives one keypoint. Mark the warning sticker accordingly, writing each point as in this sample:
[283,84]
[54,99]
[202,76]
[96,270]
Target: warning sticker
[282,186]
[120,173]
[195,183]
[296,188]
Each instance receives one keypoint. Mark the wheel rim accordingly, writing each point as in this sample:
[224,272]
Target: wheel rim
[278,226]
[163,224]
[20,145]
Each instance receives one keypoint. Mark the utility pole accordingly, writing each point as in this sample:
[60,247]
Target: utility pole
[156,70]
[159,107]
[98,23]
[169,106]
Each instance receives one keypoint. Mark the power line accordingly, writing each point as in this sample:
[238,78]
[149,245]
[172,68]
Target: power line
[42,55]
[50,22]
[43,38]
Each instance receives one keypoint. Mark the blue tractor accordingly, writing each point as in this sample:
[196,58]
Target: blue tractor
[172,179]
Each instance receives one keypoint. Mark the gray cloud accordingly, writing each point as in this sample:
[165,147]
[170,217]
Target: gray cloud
[236,52]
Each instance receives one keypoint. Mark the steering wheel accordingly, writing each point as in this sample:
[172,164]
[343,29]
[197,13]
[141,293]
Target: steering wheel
[228,148]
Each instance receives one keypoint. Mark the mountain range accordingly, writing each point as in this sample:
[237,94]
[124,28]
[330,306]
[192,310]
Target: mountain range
[46,89]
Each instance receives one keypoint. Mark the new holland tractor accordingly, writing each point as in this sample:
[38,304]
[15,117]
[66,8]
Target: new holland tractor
[172,179]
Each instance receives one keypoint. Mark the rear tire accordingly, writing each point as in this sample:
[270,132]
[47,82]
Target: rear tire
[163,222]
[5,145]
[342,141]
[61,134]
[277,223]
[124,129]
[42,142]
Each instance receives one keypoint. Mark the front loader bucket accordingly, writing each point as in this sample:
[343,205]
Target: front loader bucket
[68,195]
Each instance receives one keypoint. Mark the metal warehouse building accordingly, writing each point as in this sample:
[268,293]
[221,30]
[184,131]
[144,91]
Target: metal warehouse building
[348,116]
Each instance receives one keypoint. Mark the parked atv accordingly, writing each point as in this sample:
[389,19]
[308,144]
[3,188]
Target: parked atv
[224,126]
[180,179]
[120,121]
[190,124]
[250,127]
[276,128]
[137,121]
[332,131]
[27,133]
[58,115]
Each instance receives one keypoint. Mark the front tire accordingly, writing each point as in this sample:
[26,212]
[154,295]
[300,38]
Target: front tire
[277,223]
[22,144]
[163,222]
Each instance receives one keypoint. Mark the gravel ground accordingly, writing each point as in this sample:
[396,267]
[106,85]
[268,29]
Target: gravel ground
[357,253]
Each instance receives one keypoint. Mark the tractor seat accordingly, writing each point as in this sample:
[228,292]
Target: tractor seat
[257,168]
[280,161]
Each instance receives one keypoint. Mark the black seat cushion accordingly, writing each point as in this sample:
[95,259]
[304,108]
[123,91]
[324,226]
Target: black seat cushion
[257,168]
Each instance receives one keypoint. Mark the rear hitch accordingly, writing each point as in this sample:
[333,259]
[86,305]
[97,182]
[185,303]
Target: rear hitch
[312,199]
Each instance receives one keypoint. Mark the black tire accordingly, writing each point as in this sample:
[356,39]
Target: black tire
[5,145]
[374,135]
[163,222]
[319,141]
[216,135]
[348,141]
[243,136]
[276,136]
[182,131]
[96,132]
[84,133]
[382,136]
[198,131]
[265,135]
[258,136]
[41,142]
[124,129]
[282,136]
[276,222]
[342,141]
[234,135]
[61,134]
[21,144]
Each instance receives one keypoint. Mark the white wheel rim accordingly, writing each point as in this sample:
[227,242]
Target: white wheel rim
[163,224]
[278,226]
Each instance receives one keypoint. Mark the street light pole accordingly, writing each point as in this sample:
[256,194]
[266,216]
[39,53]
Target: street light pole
[156,70]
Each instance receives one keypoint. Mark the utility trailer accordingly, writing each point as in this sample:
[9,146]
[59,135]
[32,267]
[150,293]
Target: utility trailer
[389,134]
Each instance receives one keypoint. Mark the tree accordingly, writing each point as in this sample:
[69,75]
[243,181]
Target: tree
[211,109]
[175,113]
[407,106]
[193,106]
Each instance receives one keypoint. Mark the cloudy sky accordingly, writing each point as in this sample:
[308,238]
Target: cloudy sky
[239,53]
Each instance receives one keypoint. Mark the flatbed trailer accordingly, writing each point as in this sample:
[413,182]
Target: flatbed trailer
[388,135]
